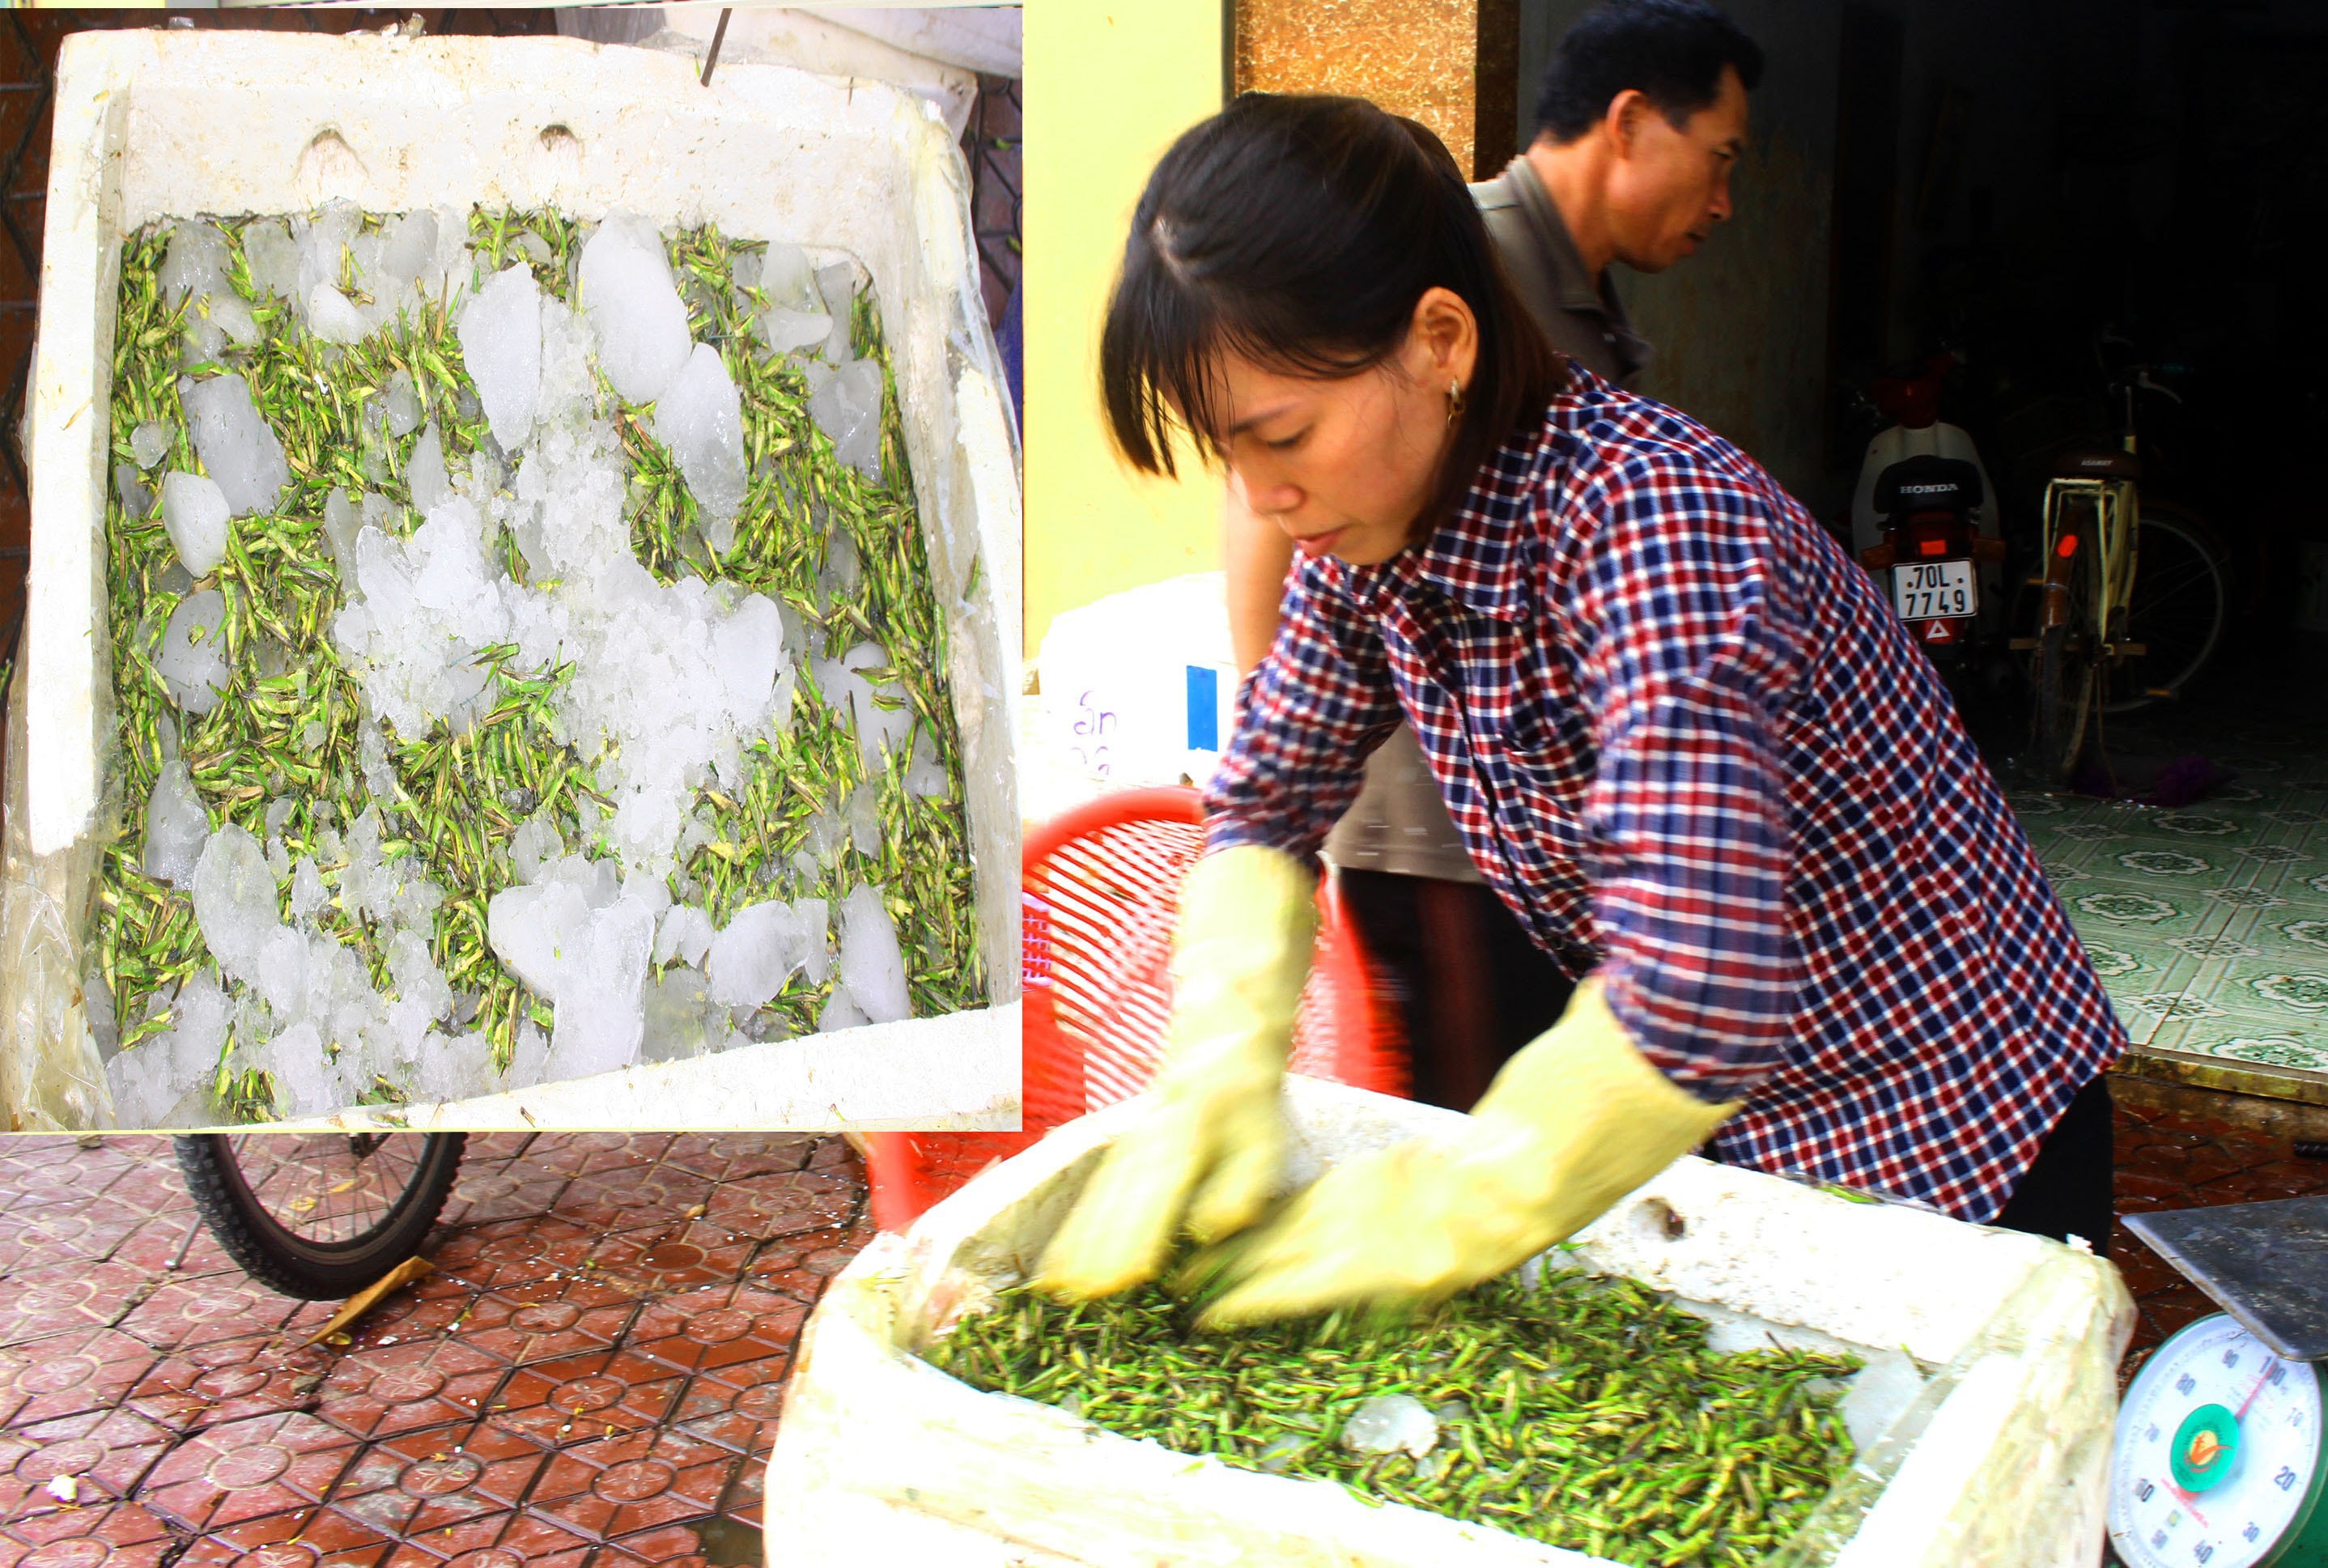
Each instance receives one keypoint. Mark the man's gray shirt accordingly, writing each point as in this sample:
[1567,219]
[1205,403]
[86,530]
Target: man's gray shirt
[1398,822]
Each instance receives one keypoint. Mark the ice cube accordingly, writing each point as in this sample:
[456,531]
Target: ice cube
[430,488]
[236,445]
[195,263]
[535,842]
[862,809]
[150,442]
[843,568]
[1879,1391]
[527,1059]
[176,827]
[189,659]
[870,965]
[501,344]
[847,409]
[788,278]
[455,1068]
[135,499]
[281,971]
[783,331]
[234,898]
[303,1074]
[752,958]
[194,512]
[234,318]
[340,526]
[601,1017]
[747,647]
[205,339]
[816,938]
[838,285]
[701,417]
[401,405]
[634,306]
[537,930]
[135,1078]
[686,934]
[677,1009]
[839,1013]
[649,890]
[273,259]
[924,776]
[408,248]
[307,893]
[322,241]
[1390,1423]
[333,317]
[794,316]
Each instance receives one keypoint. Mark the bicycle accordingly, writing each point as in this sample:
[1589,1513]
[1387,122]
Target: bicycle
[319,1215]
[2112,637]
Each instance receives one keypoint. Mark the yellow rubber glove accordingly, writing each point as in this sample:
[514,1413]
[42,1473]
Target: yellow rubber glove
[1213,1143]
[1572,1124]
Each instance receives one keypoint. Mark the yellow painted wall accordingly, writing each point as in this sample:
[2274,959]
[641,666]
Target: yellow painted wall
[1109,84]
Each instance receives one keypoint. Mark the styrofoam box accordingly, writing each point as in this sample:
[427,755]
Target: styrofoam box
[880,1457]
[1139,687]
[162,124]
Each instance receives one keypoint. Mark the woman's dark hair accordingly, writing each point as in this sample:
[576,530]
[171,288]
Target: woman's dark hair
[1672,51]
[1300,233]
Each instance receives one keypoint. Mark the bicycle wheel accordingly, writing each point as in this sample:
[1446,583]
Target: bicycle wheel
[2182,602]
[2064,675]
[319,1215]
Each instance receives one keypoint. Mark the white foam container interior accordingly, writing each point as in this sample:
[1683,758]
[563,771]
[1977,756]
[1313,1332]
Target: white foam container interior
[161,124]
[882,1458]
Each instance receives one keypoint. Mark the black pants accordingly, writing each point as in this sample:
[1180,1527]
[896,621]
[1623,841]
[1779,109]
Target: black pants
[2067,1189]
[1472,986]
[1473,989]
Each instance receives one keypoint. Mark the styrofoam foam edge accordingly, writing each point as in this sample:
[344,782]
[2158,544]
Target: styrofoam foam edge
[1160,1498]
[958,1072]
[867,1416]
[962,444]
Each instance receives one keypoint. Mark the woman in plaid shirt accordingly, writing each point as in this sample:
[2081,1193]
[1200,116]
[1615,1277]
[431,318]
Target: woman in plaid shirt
[1682,734]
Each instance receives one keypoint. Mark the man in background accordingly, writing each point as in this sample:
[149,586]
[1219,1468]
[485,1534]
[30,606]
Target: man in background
[1639,120]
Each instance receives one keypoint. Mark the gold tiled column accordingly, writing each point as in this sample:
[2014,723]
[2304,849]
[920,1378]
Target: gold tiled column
[1451,64]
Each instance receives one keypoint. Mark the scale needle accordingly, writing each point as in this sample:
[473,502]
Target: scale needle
[2186,1501]
[2261,1378]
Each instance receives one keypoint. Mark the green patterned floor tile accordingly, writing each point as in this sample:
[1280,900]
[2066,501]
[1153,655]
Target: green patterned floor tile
[2207,923]
[2260,1040]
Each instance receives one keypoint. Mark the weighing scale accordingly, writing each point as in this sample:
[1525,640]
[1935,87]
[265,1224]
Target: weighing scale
[2218,1457]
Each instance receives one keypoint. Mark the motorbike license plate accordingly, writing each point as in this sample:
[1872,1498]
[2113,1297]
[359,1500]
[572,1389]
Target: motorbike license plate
[1935,590]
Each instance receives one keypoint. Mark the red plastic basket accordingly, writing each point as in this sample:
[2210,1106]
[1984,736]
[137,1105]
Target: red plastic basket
[1101,895]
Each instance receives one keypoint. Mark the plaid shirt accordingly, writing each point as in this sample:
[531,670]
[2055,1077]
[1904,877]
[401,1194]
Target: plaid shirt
[1689,743]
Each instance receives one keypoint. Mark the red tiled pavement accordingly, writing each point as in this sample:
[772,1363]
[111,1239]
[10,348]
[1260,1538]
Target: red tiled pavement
[2186,1155]
[590,1380]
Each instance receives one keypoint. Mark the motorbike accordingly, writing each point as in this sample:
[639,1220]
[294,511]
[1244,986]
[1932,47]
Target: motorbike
[1925,520]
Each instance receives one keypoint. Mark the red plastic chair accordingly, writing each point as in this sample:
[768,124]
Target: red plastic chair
[1102,898]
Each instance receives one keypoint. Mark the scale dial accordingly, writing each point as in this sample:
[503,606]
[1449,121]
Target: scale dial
[2217,1461]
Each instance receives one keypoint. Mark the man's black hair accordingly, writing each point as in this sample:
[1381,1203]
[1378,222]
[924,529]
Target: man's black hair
[1671,50]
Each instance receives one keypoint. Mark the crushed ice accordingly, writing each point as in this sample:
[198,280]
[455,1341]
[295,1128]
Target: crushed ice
[671,682]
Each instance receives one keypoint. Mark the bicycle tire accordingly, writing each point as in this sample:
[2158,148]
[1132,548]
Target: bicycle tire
[292,1265]
[2064,677]
[2171,538]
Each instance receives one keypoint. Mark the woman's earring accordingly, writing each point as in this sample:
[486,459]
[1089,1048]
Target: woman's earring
[1454,402]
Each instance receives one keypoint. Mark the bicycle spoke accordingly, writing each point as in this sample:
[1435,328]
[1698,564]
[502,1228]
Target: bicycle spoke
[328,1189]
